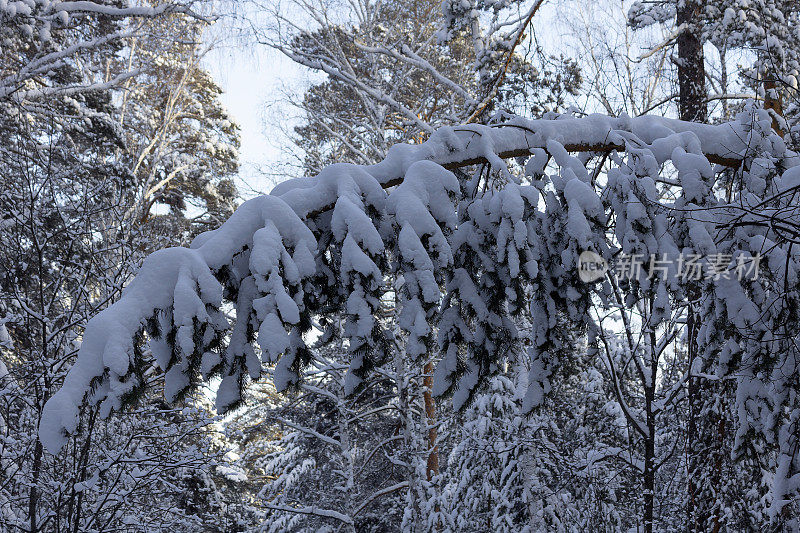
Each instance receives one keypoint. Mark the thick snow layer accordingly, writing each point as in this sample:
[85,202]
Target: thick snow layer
[108,340]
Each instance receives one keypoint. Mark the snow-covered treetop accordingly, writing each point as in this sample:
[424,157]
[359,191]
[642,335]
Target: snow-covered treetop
[40,27]
[467,254]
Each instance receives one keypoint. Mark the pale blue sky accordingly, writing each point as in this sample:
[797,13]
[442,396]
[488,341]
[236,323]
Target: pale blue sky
[252,78]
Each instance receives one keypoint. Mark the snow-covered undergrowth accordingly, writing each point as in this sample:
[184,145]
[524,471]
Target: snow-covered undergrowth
[473,251]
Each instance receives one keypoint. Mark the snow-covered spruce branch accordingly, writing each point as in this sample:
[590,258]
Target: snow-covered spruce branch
[322,243]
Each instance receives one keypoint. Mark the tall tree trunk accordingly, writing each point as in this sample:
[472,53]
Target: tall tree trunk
[697,437]
[650,454]
[693,104]
[83,463]
[705,439]
[691,64]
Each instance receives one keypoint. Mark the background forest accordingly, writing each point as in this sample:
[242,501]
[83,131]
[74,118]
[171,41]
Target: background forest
[114,144]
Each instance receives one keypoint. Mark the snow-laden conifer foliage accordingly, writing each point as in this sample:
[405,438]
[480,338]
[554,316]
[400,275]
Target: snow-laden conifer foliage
[479,229]
[489,469]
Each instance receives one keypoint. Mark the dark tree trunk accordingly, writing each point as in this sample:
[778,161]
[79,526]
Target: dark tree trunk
[691,64]
[704,440]
[33,497]
[695,406]
[650,454]
[693,104]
